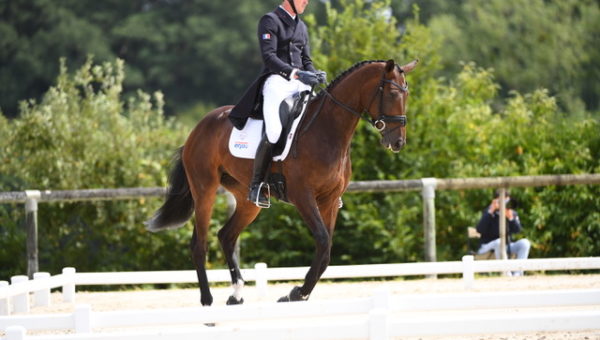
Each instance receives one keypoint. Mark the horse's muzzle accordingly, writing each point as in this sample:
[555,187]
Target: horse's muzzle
[394,146]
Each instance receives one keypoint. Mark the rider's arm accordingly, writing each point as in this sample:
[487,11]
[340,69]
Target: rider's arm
[267,37]
[306,60]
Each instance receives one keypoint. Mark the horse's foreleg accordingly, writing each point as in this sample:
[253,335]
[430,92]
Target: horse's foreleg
[311,215]
[329,213]
[245,213]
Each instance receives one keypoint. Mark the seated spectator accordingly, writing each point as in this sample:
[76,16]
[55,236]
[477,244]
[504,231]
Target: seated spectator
[489,228]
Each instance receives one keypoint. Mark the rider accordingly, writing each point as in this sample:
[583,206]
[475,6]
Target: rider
[288,69]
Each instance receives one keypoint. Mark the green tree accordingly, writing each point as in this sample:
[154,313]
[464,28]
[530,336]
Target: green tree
[193,50]
[529,44]
[83,135]
[33,36]
[456,129]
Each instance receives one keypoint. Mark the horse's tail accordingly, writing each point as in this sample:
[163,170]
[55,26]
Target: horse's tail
[179,206]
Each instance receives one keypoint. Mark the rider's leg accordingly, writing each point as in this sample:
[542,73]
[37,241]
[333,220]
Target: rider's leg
[275,90]
[262,161]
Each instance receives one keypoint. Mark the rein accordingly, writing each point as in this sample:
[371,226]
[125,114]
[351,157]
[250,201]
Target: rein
[380,122]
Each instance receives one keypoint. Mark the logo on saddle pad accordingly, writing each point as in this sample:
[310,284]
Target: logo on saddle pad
[241,142]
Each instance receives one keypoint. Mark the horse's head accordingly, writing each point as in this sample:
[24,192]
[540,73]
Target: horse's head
[387,104]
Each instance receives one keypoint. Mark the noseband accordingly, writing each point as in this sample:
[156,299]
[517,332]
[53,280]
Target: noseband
[378,123]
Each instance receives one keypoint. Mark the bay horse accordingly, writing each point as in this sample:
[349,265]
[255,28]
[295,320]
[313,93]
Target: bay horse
[317,174]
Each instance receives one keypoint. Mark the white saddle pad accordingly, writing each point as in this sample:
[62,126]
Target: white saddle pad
[243,143]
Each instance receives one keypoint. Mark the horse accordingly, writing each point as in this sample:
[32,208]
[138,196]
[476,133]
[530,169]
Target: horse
[320,168]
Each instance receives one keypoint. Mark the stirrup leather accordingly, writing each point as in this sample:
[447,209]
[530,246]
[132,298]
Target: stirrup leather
[256,200]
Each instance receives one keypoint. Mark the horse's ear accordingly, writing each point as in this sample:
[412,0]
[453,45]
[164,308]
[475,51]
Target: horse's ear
[389,65]
[410,66]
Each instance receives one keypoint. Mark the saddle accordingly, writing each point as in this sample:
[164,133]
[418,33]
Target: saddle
[243,143]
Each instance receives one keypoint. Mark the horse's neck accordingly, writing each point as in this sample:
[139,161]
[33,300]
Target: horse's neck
[336,123]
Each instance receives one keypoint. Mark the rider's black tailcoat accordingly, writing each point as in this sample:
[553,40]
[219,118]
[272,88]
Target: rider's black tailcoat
[284,46]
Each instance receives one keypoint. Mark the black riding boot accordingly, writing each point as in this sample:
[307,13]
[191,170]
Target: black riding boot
[262,161]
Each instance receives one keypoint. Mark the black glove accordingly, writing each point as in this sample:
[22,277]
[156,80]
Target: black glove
[308,78]
[322,77]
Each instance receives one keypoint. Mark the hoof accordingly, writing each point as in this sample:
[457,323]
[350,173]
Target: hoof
[210,324]
[206,299]
[233,301]
[284,299]
[294,295]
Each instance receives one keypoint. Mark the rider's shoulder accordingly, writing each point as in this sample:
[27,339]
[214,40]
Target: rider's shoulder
[270,16]
[268,20]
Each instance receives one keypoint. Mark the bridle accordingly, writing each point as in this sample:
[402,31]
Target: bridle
[378,123]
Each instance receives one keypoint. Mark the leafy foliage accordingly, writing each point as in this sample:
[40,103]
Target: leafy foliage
[178,46]
[456,129]
[530,44]
[85,133]
[82,135]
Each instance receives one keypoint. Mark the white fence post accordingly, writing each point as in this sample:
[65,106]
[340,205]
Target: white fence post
[261,279]
[378,316]
[15,333]
[468,271]
[381,299]
[41,297]
[68,288]
[83,319]
[378,324]
[428,193]
[21,301]
[31,209]
[4,306]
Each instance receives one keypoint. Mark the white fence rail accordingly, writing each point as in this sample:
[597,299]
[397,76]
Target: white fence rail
[378,317]
[428,186]
[17,293]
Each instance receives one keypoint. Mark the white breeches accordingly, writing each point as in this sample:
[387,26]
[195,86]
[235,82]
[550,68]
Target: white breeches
[275,90]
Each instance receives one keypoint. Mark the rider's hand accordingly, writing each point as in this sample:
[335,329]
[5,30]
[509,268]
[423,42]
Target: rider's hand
[322,76]
[307,77]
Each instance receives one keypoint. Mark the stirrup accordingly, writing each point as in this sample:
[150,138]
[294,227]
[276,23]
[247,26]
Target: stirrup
[256,199]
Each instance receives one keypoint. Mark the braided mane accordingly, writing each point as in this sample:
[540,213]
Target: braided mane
[348,71]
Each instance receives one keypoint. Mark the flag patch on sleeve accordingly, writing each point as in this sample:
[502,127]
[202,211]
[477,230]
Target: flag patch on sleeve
[266,36]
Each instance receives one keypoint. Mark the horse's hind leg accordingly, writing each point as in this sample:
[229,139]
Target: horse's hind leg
[245,213]
[199,257]
[203,207]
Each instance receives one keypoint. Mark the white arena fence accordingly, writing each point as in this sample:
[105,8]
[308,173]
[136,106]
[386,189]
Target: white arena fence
[379,317]
[40,286]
